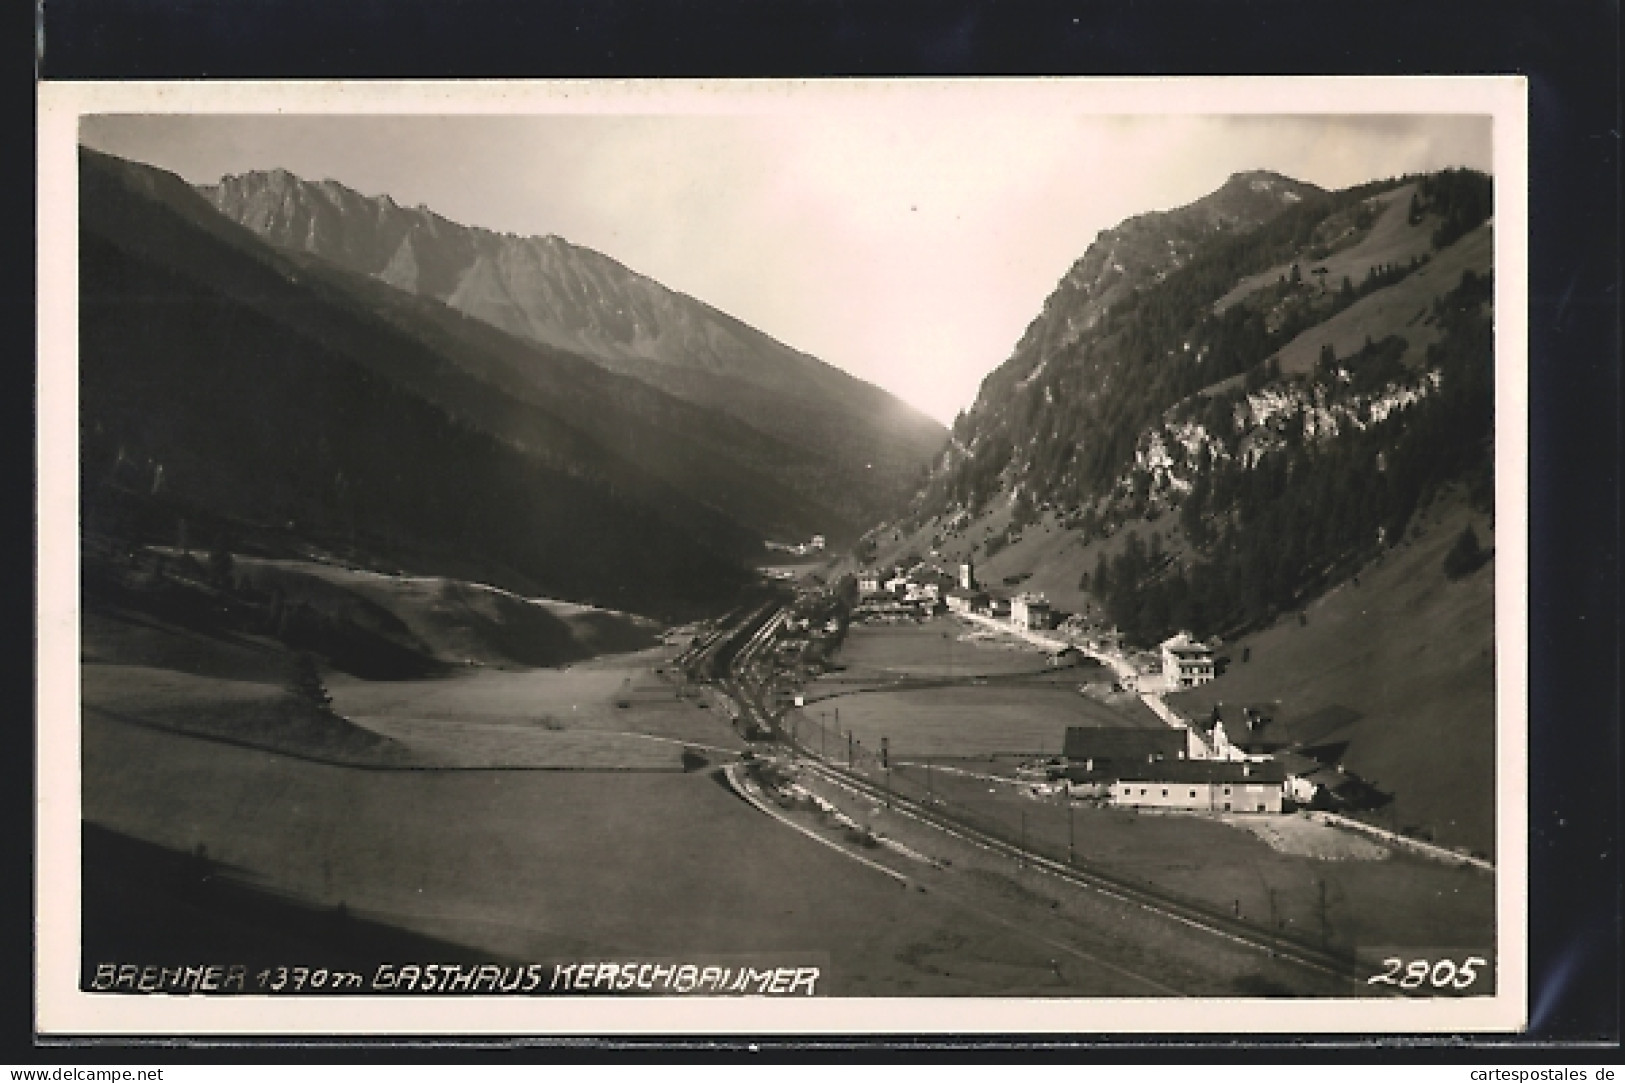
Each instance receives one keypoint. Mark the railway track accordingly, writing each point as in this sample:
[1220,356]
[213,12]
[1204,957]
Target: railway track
[749,637]
[714,658]
[1157,902]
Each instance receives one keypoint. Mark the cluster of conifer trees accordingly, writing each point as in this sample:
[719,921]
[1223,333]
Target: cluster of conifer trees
[1464,198]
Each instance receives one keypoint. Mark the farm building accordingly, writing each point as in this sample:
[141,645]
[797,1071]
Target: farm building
[1208,785]
[1186,662]
[1119,748]
[1306,777]
[1241,732]
[1030,611]
[1326,786]
[1066,656]
[961,600]
[1109,640]
[869,582]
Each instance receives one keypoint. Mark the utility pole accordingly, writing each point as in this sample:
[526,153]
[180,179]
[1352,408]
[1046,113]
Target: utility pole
[849,750]
[1071,834]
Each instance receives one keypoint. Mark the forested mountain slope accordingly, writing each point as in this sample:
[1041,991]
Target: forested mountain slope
[860,449]
[223,384]
[1255,421]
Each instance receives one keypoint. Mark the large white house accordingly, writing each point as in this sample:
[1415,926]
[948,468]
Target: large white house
[1186,662]
[1209,785]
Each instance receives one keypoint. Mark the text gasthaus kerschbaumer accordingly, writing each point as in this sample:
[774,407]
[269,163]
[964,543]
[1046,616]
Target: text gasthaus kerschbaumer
[595,978]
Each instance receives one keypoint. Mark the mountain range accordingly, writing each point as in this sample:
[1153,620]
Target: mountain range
[1146,249]
[862,449]
[295,399]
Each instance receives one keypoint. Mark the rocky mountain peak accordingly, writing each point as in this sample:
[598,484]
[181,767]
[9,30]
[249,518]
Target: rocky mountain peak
[550,291]
[1146,249]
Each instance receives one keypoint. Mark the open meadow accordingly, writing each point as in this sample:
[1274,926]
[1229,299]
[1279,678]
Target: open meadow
[971,720]
[941,647]
[517,815]
[610,712]
[541,866]
[933,690]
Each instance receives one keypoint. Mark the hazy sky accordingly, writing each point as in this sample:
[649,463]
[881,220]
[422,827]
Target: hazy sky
[909,246]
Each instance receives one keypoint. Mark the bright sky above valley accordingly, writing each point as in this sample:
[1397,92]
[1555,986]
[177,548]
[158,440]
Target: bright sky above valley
[905,233]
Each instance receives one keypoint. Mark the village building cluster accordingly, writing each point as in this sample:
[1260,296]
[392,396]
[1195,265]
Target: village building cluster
[925,590]
[1133,767]
[1237,759]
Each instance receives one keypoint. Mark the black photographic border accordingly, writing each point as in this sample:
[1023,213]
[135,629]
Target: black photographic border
[1568,51]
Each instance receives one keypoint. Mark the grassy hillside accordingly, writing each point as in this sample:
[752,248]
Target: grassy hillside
[1391,238]
[148,669]
[1401,666]
[454,621]
[1401,308]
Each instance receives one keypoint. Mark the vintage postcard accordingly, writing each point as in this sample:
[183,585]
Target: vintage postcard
[933,556]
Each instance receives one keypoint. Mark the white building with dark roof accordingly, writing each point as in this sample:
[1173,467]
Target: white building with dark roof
[1206,785]
[1186,662]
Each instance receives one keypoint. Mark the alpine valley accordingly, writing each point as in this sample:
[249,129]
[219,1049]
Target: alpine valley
[460,596]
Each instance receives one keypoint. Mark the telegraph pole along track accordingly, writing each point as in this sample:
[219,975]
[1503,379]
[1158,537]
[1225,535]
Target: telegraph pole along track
[732,657]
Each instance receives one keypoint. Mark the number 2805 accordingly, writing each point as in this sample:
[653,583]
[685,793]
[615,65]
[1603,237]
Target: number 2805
[1434,974]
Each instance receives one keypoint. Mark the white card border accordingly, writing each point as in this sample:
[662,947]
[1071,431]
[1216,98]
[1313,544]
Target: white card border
[62,1009]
